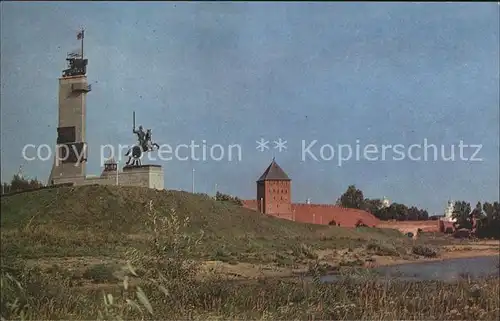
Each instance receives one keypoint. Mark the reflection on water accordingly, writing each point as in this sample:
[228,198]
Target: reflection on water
[446,270]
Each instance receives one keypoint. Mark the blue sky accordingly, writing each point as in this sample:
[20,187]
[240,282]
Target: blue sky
[231,73]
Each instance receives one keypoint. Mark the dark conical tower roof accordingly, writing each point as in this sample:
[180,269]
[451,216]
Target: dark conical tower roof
[274,173]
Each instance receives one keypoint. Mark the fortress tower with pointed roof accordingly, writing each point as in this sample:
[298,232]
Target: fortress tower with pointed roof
[274,197]
[274,191]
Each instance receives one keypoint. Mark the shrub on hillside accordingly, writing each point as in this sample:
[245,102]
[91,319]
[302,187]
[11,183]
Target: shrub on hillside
[168,249]
[19,183]
[424,251]
[228,198]
[304,251]
[382,249]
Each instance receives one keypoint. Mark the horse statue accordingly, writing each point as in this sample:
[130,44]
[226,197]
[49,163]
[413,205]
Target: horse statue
[145,144]
[134,156]
[150,144]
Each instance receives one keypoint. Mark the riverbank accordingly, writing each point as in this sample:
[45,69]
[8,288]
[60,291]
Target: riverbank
[258,292]
[446,252]
[333,260]
[53,228]
[330,261]
[53,297]
[67,252]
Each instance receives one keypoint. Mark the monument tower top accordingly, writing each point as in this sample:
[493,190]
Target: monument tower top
[77,64]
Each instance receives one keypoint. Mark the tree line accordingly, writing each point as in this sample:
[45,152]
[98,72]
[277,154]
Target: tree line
[228,198]
[354,198]
[484,219]
[19,183]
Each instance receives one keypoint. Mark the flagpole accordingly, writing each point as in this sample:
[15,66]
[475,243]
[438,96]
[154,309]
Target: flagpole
[82,41]
[117,167]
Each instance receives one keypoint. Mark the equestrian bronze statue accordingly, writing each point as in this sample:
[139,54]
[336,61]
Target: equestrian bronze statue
[144,145]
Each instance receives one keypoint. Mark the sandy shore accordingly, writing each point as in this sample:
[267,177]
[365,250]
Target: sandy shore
[385,261]
[446,252]
[331,257]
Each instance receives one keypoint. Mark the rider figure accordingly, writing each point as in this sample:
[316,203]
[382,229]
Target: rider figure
[148,139]
[141,136]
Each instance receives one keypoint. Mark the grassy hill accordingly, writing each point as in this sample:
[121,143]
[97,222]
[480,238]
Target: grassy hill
[72,243]
[106,220]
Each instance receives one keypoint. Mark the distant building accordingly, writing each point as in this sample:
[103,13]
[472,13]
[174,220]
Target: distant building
[446,223]
[448,212]
[110,168]
[385,202]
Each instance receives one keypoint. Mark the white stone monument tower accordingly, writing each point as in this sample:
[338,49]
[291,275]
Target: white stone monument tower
[71,153]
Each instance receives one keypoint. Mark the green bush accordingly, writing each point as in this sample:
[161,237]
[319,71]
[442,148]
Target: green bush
[424,251]
[382,249]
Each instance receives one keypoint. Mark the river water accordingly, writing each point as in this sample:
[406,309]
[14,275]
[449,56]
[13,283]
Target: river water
[445,270]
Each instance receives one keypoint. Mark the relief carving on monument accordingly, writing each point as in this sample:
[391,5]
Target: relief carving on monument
[66,135]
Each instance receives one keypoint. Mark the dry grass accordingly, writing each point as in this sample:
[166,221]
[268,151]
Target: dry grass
[161,284]
[105,221]
[54,297]
[160,281]
[425,251]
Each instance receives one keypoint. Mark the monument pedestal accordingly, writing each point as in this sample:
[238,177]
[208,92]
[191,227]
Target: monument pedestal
[144,175]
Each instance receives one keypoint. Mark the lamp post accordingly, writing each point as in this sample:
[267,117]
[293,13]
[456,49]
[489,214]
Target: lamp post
[192,187]
[117,167]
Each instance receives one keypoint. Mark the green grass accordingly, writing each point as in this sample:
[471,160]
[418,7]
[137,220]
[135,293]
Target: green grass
[107,220]
[53,297]
[162,248]
[384,249]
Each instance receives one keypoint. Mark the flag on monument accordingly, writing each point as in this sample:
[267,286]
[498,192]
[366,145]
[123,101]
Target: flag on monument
[79,36]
